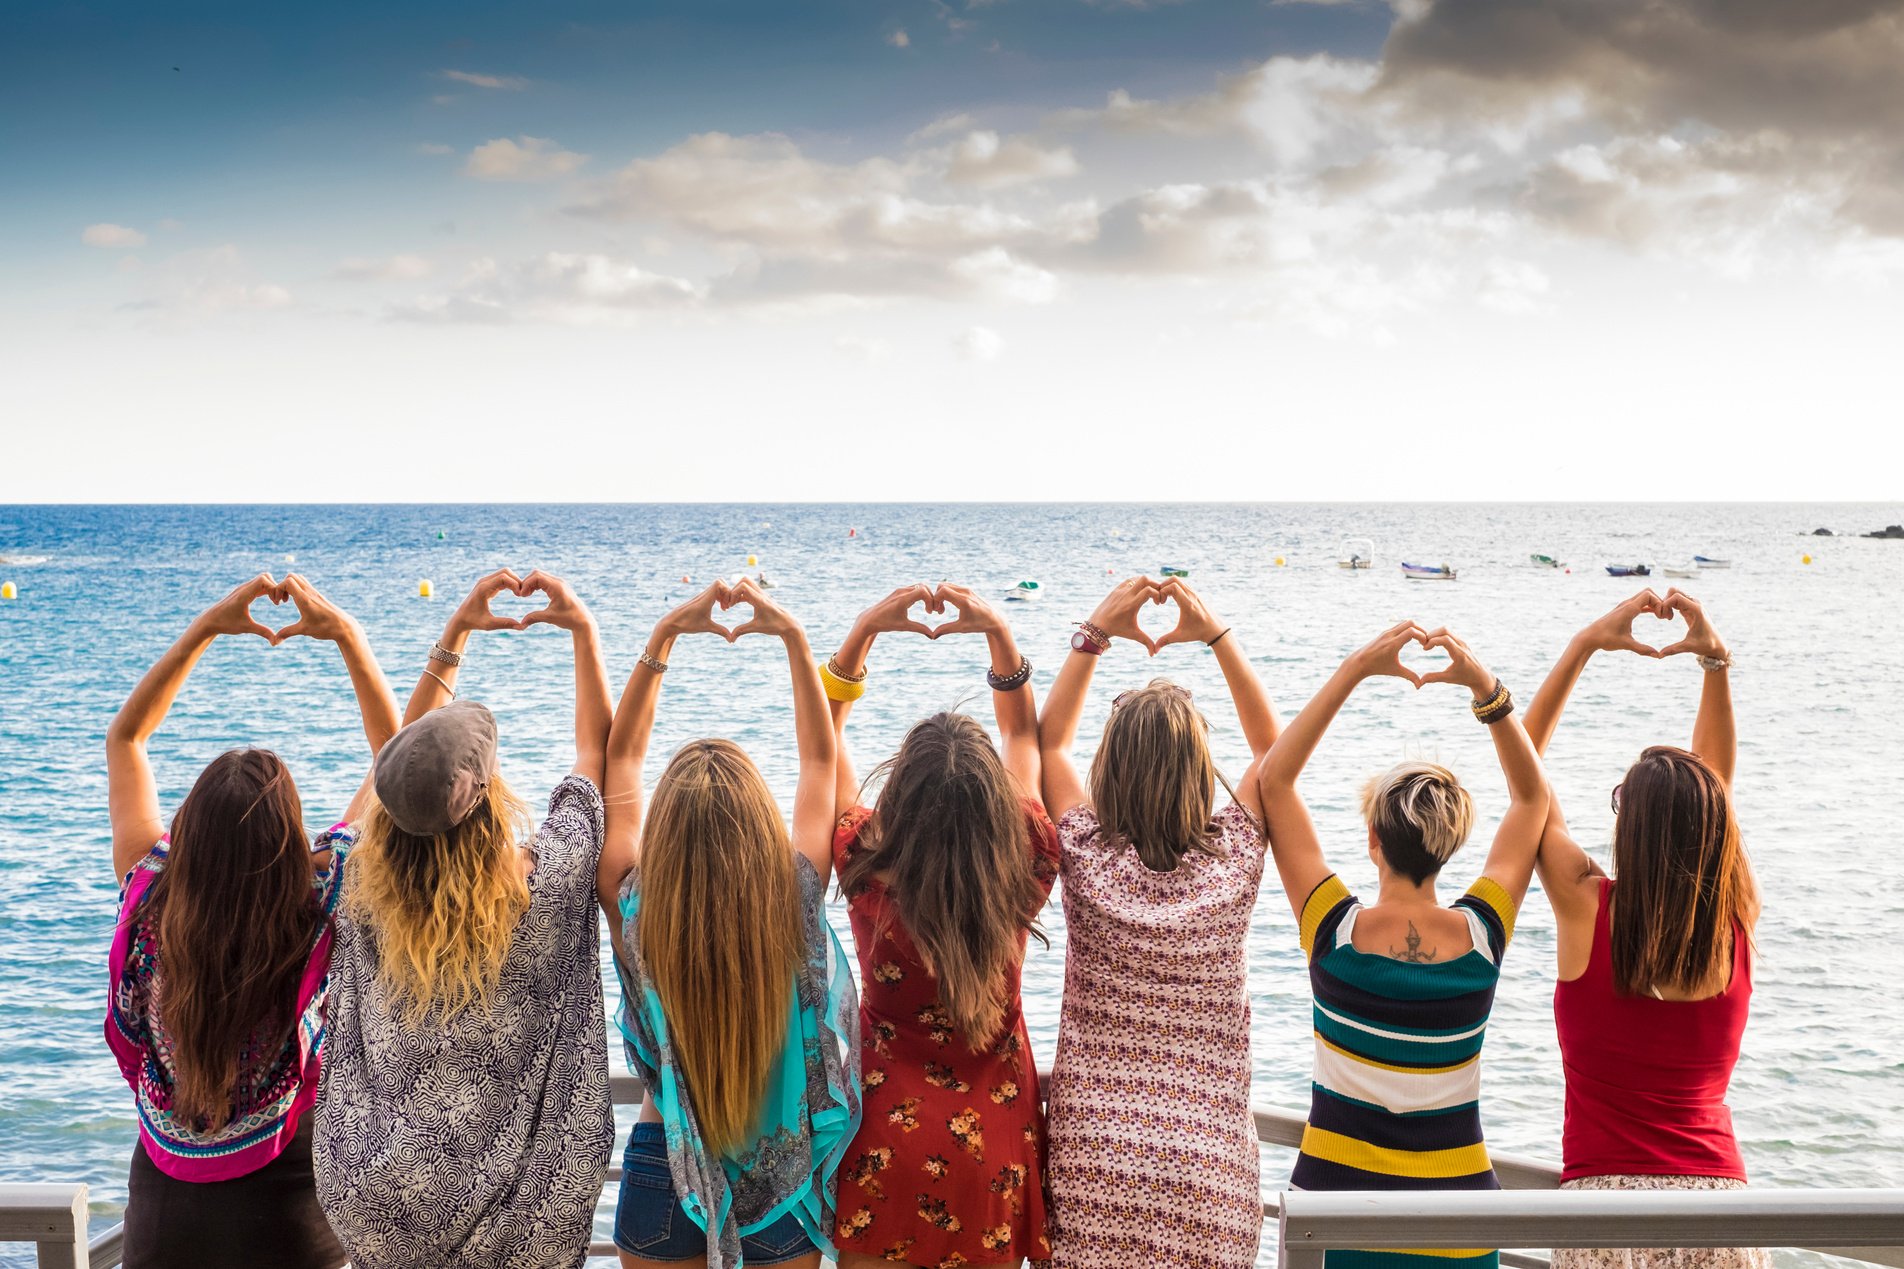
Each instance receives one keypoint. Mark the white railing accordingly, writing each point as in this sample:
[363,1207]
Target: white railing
[1863,1225]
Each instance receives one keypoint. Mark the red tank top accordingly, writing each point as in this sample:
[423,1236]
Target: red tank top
[1647,1078]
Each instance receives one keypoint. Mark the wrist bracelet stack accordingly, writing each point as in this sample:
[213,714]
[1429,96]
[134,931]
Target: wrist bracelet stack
[1496,707]
[653,662]
[1013,681]
[440,653]
[839,685]
[1710,664]
[1090,639]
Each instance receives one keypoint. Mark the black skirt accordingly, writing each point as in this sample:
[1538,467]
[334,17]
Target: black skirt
[267,1217]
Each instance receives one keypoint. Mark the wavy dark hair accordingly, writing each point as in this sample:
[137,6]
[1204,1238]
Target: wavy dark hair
[236,919]
[948,841]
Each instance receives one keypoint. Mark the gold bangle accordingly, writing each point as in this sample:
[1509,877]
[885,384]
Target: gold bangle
[839,689]
[440,679]
[833,668]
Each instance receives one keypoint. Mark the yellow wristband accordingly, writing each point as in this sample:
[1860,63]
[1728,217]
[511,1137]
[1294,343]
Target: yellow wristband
[839,689]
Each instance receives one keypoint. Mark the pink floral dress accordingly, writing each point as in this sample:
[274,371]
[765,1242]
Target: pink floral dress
[1153,1151]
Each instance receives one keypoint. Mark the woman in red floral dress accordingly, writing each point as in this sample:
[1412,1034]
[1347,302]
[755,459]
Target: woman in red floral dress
[944,881]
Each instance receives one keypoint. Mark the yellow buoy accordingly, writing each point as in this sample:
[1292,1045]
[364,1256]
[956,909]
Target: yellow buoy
[751,561]
[424,589]
[1805,559]
[8,591]
[1280,561]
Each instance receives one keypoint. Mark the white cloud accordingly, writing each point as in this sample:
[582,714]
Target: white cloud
[556,286]
[522,159]
[899,38]
[106,234]
[979,343]
[942,126]
[383,269]
[505,83]
[984,160]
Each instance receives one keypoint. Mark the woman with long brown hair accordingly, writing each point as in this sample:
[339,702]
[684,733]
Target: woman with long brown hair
[737,1003]
[1655,973]
[465,1116]
[1153,1153]
[218,965]
[944,878]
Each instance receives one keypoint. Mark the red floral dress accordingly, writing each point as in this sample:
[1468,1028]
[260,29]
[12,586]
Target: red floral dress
[948,1166]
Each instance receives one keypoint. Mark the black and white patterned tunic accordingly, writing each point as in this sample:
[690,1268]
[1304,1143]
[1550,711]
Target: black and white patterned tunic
[483,1141]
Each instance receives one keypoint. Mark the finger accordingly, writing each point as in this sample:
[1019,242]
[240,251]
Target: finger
[1630,644]
[744,628]
[536,618]
[1436,676]
[490,621]
[920,628]
[1674,649]
[276,637]
[1403,672]
[501,579]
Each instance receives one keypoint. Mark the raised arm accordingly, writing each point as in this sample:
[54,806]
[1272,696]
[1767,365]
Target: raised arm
[849,665]
[627,748]
[1115,618]
[1613,632]
[319,618]
[812,724]
[436,685]
[1197,624]
[593,713]
[1510,861]
[1714,734]
[1013,705]
[132,795]
[1292,833]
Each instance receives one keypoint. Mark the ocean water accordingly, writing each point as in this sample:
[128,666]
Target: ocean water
[1819,1095]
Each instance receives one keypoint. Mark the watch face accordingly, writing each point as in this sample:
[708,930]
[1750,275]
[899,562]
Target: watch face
[1081,642]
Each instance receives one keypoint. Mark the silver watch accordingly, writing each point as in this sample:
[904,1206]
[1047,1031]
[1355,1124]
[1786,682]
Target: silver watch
[1709,664]
[440,653]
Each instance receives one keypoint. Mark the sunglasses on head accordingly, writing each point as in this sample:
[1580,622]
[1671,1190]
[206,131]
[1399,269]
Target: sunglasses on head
[1172,688]
[1616,797]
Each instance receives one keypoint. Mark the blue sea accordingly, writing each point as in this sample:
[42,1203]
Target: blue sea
[1819,1096]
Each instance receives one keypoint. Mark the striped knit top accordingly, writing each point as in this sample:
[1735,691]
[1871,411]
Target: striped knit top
[1396,1098]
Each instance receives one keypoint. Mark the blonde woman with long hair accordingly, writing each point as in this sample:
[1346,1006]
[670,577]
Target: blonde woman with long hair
[465,1117]
[738,1005]
[1153,1152]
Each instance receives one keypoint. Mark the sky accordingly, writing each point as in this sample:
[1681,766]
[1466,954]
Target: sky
[952,249]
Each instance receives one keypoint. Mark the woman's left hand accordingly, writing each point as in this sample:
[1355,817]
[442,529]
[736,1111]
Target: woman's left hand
[1195,622]
[564,610]
[892,615]
[318,617]
[1701,639]
[1464,667]
[975,615]
[769,618]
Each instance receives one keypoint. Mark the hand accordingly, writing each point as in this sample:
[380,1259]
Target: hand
[972,614]
[473,613]
[1701,639]
[318,617]
[1195,622]
[563,611]
[1614,632]
[769,618]
[1464,667]
[891,614]
[1381,657]
[232,614]
[1116,615]
[696,616]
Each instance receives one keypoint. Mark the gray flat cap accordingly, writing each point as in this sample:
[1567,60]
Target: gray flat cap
[431,774]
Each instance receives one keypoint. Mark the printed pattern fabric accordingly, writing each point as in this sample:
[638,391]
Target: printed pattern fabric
[1664,1257]
[483,1139]
[273,1090]
[1153,1152]
[1396,1099]
[947,1168]
[812,1105]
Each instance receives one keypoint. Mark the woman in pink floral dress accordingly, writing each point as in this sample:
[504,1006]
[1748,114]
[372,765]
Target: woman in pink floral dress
[1152,1149]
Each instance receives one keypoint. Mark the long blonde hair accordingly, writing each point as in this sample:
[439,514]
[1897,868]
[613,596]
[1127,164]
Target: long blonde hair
[444,907]
[1153,781]
[720,930]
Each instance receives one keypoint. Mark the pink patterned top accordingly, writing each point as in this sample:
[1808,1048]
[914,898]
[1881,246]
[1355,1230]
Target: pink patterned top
[273,1090]
[1153,1152]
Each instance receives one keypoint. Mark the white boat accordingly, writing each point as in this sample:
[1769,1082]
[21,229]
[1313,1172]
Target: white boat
[1427,572]
[1024,593]
[1688,570]
[765,582]
[1357,553]
[1706,562]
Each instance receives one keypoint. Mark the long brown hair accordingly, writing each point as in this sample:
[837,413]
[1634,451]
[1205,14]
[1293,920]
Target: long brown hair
[236,918]
[1153,781]
[1683,877]
[720,930]
[445,906]
[948,842]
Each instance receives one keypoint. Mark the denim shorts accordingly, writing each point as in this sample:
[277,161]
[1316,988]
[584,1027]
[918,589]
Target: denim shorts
[651,1223]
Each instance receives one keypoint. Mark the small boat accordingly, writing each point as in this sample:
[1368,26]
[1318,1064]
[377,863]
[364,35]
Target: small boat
[1707,562]
[1357,553]
[1427,572]
[1545,561]
[1171,570]
[1682,571]
[1024,593]
[1628,570]
[765,582]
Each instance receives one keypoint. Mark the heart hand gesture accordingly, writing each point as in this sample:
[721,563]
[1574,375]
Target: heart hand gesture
[564,610]
[893,614]
[1614,632]
[473,613]
[769,618]
[1195,622]
[318,617]
[232,614]
[1381,657]
[1701,639]
[971,615]
[1464,667]
[696,616]
[1116,615]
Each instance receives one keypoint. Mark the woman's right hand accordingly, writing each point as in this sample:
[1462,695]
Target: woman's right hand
[1381,657]
[891,614]
[232,614]
[696,616]
[1701,639]
[1116,615]
[473,613]
[1463,666]
[769,618]
[1614,632]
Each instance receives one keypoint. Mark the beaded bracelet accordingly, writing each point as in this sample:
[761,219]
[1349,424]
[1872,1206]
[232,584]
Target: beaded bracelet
[1096,634]
[1496,707]
[840,689]
[833,664]
[653,662]
[440,653]
[1013,681]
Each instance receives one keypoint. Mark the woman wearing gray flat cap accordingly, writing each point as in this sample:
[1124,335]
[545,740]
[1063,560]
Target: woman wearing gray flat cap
[464,1118]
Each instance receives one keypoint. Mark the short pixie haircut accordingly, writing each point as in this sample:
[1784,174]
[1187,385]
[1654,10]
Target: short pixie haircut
[1421,816]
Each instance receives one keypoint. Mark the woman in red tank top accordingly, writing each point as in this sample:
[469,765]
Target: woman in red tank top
[1655,974]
